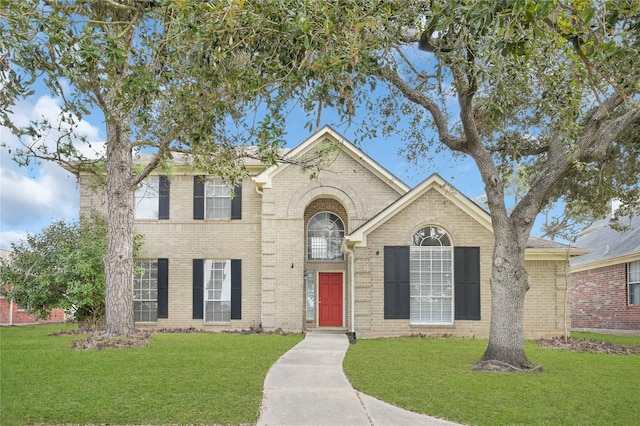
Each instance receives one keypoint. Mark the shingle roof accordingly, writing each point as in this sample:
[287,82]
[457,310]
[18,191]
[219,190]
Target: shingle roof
[539,243]
[607,243]
[246,153]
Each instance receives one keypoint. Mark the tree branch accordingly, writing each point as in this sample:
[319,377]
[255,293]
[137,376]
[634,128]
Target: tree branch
[453,142]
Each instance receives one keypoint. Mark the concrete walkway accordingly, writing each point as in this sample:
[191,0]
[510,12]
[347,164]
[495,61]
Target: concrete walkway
[307,386]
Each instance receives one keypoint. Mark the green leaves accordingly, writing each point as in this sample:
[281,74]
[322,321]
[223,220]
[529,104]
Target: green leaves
[61,267]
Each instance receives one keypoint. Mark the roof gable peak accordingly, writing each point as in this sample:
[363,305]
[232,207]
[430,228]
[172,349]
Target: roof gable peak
[327,135]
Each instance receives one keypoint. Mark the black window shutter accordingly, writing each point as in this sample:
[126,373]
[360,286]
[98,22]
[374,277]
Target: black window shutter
[198,285]
[163,210]
[236,289]
[467,283]
[236,202]
[396,282]
[163,288]
[198,197]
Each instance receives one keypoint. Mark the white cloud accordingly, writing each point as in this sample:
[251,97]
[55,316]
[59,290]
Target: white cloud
[8,237]
[31,197]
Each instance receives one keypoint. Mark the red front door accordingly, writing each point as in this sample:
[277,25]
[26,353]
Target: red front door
[330,302]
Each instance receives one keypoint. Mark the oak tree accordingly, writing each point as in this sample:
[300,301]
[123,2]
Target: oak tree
[163,76]
[546,86]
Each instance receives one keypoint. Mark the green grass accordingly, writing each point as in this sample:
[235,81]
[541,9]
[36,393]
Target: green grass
[177,378]
[432,376]
[611,338]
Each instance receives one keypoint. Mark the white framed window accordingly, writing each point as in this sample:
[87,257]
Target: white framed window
[217,291]
[431,277]
[145,291]
[633,282]
[147,197]
[217,199]
[325,233]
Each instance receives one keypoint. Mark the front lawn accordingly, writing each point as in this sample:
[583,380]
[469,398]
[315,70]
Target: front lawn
[177,378]
[432,376]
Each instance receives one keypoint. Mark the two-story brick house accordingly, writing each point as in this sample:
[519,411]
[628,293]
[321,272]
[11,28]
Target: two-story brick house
[352,249]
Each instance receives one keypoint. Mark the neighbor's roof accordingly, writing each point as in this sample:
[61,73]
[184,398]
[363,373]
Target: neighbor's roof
[608,246]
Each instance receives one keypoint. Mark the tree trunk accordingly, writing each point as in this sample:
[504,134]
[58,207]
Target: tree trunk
[118,258]
[509,285]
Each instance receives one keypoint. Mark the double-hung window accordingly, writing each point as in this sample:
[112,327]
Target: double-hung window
[217,291]
[150,290]
[152,198]
[217,200]
[214,199]
[633,280]
[145,291]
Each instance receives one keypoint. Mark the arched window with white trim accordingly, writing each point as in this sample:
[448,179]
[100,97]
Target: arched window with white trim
[431,277]
[325,233]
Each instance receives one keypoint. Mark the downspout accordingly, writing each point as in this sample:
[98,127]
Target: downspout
[11,312]
[352,263]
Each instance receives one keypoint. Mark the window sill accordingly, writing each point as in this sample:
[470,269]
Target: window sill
[438,324]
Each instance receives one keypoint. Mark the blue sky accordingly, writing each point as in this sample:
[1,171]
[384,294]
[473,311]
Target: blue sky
[32,197]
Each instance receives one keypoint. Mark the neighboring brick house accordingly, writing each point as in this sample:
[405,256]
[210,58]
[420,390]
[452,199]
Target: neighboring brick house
[13,314]
[353,249]
[605,284]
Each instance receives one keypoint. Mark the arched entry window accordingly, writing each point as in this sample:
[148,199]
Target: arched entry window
[431,277]
[325,233]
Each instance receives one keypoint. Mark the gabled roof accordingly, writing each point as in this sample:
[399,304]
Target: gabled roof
[359,236]
[264,179]
[608,246]
[537,248]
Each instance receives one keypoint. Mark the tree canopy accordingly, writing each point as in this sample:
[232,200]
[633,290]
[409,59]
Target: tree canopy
[61,267]
[165,77]
[548,87]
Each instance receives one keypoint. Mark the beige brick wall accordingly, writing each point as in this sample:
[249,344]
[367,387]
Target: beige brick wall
[547,301]
[270,240]
[543,306]
[344,187]
[182,239]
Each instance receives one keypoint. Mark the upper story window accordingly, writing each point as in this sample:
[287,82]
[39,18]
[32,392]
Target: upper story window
[325,234]
[217,199]
[147,198]
[633,272]
[152,198]
[214,199]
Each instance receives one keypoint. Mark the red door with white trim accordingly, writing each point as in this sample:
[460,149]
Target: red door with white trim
[330,303]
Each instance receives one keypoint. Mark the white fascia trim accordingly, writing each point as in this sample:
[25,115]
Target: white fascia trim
[553,253]
[359,237]
[626,258]
[264,179]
